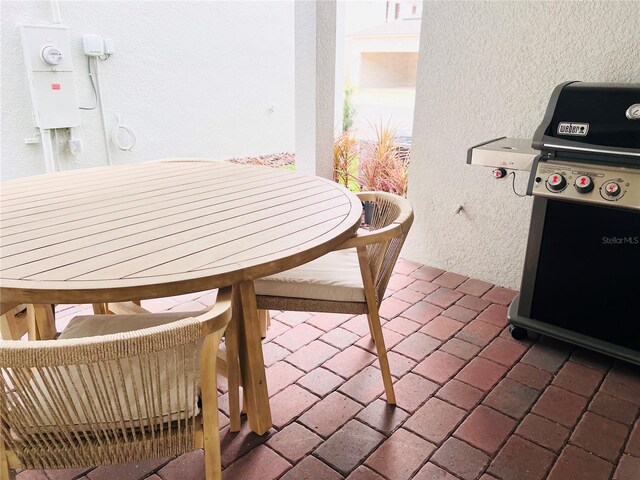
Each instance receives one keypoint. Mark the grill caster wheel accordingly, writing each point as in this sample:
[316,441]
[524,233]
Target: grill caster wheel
[518,333]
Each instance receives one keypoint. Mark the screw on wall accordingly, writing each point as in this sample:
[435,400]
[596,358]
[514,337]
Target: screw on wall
[458,209]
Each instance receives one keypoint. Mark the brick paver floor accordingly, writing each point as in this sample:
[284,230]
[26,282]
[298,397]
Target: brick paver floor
[472,402]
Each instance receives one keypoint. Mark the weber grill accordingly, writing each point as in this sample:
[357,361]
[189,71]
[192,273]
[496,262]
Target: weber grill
[581,278]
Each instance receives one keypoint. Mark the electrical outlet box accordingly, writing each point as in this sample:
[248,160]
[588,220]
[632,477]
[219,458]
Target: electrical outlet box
[47,58]
[93,45]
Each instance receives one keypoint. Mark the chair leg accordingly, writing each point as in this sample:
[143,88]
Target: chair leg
[210,426]
[264,317]
[100,308]
[378,338]
[233,371]
[5,471]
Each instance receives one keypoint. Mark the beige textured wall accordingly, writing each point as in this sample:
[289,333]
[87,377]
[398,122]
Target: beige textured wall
[388,69]
[487,69]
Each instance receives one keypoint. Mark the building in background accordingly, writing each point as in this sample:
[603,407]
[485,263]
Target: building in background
[381,56]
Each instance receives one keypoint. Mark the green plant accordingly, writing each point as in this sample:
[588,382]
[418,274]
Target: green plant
[348,109]
[383,164]
[345,160]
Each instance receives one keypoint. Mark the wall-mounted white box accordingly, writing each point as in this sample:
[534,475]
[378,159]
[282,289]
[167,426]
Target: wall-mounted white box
[53,91]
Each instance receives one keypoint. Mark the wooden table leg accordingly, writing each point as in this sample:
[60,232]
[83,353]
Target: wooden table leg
[254,379]
[45,321]
[232,335]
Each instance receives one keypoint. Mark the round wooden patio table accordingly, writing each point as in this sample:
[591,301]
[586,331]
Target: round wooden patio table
[160,229]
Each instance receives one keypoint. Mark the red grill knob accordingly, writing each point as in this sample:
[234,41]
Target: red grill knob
[584,184]
[556,182]
[612,189]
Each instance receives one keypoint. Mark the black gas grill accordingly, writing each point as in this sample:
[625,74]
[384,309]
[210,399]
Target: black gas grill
[581,279]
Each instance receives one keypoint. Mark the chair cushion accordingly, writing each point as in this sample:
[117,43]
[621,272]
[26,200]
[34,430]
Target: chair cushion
[334,276]
[170,404]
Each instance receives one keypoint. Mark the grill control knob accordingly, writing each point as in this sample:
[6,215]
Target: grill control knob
[612,189]
[584,184]
[556,182]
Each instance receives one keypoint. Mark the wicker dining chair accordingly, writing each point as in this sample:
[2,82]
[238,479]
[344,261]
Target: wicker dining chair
[351,279]
[112,391]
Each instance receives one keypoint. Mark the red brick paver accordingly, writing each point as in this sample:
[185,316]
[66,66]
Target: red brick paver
[472,403]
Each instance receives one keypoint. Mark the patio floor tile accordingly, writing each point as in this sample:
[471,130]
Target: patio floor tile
[460,394]
[435,420]
[330,414]
[461,459]
[474,287]
[427,273]
[349,446]
[289,404]
[450,280]
[412,391]
[544,432]
[432,472]
[460,348]
[614,408]
[442,328]
[495,315]
[560,406]
[439,366]
[262,459]
[340,338]
[485,429]
[578,379]
[633,444]
[472,403]
[417,346]
[504,352]
[444,297]
[462,314]
[601,436]
[422,312]
[473,303]
[500,295]
[409,295]
[350,361]
[311,467]
[320,381]
[294,442]
[577,463]
[511,398]
[479,333]
[383,417]
[365,386]
[523,460]
[312,355]
[628,468]
[531,376]
[481,373]
[401,455]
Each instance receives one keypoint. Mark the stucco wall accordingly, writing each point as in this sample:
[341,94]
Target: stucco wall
[487,69]
[190,78]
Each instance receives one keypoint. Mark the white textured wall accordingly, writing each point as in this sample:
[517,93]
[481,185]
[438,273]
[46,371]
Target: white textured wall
[315,96]
[487,69]
[191,79]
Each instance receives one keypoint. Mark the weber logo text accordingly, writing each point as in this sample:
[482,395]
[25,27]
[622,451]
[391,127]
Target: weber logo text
[570,128]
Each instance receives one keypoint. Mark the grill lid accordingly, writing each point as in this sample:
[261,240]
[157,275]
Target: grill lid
[594,121]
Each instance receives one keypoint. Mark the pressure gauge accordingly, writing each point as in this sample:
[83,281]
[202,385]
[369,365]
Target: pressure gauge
[633,112]
[51,55]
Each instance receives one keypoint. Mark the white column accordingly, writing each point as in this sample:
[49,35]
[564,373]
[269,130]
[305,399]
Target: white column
[315,38]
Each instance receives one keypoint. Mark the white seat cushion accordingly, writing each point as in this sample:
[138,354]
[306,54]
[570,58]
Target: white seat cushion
[334,276]
[170,370]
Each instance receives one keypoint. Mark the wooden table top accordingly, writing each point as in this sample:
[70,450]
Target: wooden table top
[163,228]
